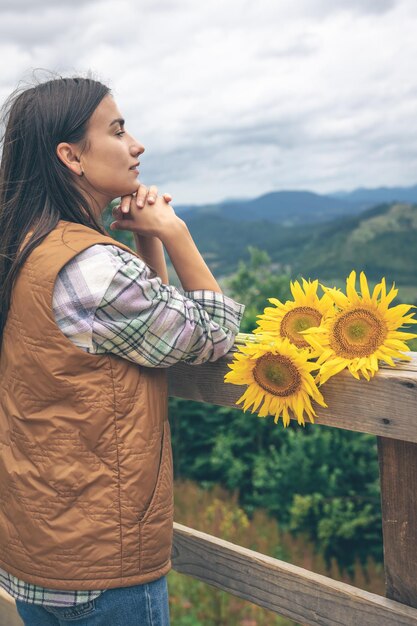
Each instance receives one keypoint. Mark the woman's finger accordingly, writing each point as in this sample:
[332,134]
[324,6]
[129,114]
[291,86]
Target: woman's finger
[125,203]
[152,194]
[141,194]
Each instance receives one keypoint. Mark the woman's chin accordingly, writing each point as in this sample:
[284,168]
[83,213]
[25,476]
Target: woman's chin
[128,189]
[135,186]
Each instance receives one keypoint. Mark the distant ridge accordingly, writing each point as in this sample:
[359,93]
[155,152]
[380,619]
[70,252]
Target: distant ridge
[289,207]
[301,207]
[379,195]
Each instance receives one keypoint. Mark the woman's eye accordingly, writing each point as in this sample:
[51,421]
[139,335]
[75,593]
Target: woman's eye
[121,132]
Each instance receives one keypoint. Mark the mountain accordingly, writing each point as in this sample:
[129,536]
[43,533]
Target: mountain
[300,207]
[368,197]
[382,241]
[284,207]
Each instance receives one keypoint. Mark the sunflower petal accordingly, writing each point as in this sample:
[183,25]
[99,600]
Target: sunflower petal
[350,287]
[390,296]
[376,292]
[364,287]
[338,297]
[297,292]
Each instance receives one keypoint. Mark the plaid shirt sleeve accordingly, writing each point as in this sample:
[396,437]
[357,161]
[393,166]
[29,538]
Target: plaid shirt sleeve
[108,300]
[157,325]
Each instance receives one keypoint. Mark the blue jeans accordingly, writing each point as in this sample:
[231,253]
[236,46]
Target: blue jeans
[140,605]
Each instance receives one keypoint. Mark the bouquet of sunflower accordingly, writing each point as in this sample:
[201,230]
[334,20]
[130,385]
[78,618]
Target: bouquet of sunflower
[325,335]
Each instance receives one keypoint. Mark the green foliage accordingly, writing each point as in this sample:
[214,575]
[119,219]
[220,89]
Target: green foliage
[254,282]
[340,509]
[340,526]
[318,481]
[413,343]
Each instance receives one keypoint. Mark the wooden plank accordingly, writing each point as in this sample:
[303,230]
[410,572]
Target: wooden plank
[8,613]
[385,406]
[398,475]
[292,591]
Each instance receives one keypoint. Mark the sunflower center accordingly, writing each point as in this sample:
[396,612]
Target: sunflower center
[357,333]
[277,374]
[300,318]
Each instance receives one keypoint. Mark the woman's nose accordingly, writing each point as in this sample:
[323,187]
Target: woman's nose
[137,149]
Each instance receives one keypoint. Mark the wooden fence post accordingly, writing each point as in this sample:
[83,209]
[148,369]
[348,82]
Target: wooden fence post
[398,476]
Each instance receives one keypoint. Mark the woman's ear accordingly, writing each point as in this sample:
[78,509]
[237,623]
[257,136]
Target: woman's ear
[68,155]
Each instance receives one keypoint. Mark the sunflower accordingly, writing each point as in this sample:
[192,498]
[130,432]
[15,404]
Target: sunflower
[361,331]
[289,319]
[278,374]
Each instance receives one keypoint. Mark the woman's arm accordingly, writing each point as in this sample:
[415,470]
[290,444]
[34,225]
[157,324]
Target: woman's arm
[190,266]
[151,250]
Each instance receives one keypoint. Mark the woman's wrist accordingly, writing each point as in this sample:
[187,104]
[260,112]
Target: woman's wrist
[173,230]
[151,250]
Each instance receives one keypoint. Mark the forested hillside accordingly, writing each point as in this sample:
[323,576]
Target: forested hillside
[381,241]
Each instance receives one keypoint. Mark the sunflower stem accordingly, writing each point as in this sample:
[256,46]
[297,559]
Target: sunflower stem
[242,338]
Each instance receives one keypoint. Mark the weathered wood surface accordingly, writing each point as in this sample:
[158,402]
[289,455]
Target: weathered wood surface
[8,613]
[398,477]
[292,591]
[385,406]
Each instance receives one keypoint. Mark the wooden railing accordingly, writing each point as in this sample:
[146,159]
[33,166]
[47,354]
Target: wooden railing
[386,407]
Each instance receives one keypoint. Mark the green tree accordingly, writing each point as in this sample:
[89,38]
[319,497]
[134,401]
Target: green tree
[253,283]
[319,482]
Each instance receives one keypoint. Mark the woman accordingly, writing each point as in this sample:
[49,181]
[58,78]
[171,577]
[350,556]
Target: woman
[88,327]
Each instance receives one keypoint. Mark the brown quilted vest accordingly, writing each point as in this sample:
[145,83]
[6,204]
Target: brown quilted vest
[85,451]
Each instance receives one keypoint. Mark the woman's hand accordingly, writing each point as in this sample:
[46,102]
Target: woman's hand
[143,195]
[135,212]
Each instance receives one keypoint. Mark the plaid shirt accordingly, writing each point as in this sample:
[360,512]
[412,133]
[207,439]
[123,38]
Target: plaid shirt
[108,300]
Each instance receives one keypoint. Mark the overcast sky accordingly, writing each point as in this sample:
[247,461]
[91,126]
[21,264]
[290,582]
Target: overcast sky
[238,98]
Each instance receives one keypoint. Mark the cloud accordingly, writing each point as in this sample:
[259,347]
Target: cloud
[325,8]
[373,7]
[239,98]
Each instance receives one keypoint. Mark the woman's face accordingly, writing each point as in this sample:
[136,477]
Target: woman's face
[109,156]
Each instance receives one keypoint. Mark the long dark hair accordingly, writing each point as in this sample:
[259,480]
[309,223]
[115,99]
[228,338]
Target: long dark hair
[36,188]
